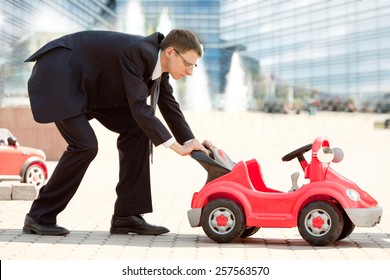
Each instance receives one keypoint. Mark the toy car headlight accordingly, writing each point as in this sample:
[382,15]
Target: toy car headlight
[353,195]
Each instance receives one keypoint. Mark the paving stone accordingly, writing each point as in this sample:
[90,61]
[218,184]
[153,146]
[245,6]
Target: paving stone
[5,191]
[23,191]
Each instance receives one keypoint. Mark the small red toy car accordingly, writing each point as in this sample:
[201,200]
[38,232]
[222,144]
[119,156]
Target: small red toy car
[236,203]
[18,163]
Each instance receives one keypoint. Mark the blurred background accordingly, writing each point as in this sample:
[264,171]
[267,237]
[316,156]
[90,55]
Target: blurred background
[274,56]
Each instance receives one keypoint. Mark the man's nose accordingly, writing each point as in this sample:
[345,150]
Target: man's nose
[189,71]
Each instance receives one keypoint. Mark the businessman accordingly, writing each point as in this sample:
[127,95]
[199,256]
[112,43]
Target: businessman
[109,76]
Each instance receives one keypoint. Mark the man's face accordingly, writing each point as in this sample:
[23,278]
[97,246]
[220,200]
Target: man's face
[180,65]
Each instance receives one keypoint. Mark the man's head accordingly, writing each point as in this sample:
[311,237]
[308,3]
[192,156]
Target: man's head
[180,51]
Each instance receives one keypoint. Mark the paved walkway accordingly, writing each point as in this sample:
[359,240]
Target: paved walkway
[243,136]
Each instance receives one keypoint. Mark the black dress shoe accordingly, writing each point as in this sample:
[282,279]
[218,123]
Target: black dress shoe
[33,227]
[134,224]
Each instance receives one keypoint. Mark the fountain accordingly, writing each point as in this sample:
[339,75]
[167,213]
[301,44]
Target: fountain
[236,91]
[164,26]
[134,20]
[197,96]
[164,23]
[270,88]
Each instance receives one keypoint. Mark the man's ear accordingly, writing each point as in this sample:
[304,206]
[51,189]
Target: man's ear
[165,55]
[168,51]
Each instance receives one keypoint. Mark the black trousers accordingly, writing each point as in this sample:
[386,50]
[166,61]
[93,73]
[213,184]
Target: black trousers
[133,189]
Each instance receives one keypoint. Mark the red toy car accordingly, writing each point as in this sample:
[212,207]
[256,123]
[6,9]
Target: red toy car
[235,202]
[18,163]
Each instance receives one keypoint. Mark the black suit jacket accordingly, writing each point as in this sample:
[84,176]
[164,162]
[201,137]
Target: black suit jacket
[100,69]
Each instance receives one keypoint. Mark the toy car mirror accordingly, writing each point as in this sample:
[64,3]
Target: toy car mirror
[338,155]
[12,141]
[325,154]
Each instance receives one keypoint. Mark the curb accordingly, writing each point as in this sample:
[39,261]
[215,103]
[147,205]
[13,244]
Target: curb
[17,191]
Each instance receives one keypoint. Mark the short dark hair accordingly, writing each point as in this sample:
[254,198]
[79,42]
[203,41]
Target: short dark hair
[182,40]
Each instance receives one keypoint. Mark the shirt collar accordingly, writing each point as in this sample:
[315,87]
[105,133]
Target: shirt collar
[157,69]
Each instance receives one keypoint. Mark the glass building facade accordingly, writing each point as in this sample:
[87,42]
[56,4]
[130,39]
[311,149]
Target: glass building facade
[291,50]
[314,47]
[25,25]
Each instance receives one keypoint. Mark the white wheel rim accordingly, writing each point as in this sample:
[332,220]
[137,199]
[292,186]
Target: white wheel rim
[222,220]
[318,222]
[35,176]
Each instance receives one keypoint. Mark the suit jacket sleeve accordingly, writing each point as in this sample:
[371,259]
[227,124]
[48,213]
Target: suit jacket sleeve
[171,112]
[135,63]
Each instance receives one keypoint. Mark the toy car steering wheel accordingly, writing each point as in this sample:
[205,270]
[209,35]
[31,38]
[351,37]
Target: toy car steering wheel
[297,152]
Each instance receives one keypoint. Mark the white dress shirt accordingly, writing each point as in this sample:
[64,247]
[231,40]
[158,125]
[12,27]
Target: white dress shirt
[157,72]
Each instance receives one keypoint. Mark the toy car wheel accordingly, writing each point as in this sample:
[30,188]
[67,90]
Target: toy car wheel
[320,223]
[348,227]
[35,176]
[249,231]
[223,220]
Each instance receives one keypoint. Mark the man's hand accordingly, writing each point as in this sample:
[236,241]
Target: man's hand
[188,147]
[208,145]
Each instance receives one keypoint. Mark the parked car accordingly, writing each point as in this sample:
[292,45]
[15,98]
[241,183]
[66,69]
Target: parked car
[235,202]
[383,104]
[19,163]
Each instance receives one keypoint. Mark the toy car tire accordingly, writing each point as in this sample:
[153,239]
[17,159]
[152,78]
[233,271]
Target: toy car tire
[348,227]
[34,175]
[320,223]
[223,220]
[249,231]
